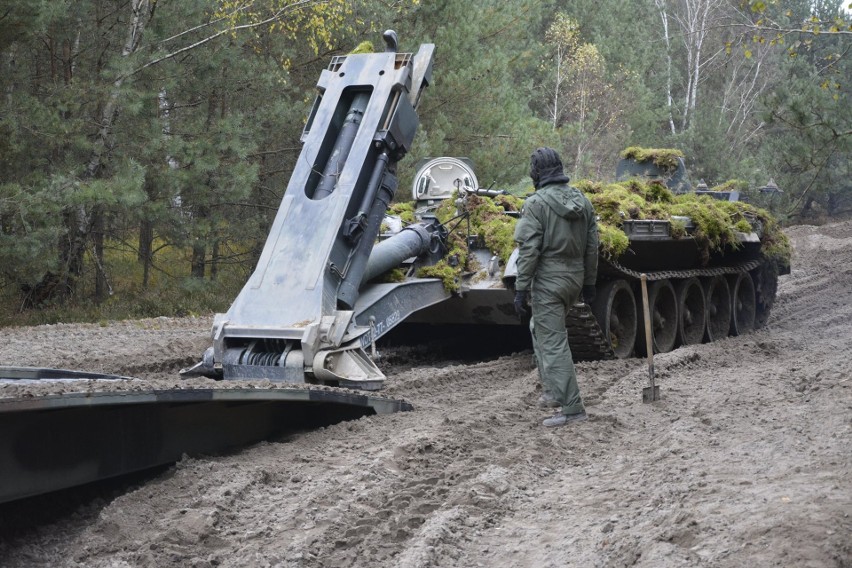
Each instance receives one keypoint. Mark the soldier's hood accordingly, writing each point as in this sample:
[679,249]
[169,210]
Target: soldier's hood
[566,201]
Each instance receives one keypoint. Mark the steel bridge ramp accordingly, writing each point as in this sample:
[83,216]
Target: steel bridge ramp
[56,441]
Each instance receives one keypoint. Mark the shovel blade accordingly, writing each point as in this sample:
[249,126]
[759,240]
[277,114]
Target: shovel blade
[650,394]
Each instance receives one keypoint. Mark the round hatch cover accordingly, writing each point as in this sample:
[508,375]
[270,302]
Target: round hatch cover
[437,178]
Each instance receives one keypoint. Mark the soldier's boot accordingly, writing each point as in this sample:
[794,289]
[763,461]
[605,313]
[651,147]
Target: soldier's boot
[563,419]
[546,400]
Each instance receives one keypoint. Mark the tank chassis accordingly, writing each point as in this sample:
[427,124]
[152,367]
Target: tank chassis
[694,297]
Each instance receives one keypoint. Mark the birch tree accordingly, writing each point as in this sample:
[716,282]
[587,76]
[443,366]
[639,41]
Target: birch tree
[662,8]
[89,221]
[562,39]
[584,104]
[687,25]
[596,107]
[695,18]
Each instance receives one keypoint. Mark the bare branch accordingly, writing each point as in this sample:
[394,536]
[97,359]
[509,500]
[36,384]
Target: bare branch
[273,18]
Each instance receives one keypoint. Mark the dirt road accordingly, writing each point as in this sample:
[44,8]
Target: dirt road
[746,461]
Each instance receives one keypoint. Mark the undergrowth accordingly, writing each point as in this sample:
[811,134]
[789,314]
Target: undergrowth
[170,292]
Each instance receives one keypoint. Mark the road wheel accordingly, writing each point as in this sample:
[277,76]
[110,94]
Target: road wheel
[743,303]
[717,297]
[693,314]
[615,309]
[662,303]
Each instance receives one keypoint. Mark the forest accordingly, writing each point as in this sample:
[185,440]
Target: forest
[145,145]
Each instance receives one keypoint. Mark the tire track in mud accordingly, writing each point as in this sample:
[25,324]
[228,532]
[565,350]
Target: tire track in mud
[402,490]
[457,455]
[746,426]
[664,494]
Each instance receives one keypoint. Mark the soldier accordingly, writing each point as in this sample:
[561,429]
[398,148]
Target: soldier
[557,237]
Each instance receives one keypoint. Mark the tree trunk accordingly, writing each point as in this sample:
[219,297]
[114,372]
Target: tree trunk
[78,220]
[101,284]
[71,250]
[214,261]
[199,252]
[146,249]
[661,6]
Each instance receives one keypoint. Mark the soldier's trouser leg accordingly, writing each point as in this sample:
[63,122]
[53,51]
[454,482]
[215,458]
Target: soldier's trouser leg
[550,341]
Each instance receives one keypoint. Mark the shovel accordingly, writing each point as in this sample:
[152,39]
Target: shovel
[652,391]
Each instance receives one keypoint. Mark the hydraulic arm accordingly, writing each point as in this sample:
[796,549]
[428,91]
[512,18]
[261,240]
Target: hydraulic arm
[296,318]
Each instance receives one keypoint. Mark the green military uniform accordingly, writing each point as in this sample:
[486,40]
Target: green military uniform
[557,238]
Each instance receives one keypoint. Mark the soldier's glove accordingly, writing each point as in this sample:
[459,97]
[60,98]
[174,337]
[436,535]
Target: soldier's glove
[521,300]
[589,293]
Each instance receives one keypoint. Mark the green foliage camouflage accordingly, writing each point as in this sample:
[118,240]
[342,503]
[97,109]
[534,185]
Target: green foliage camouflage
[664,158]
[363,47]
[716,223]
[403,210]
[731,185]
[394,275]
[488,221]
[450,268]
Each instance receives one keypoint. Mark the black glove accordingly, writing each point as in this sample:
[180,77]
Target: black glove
[521,299]
[589,293]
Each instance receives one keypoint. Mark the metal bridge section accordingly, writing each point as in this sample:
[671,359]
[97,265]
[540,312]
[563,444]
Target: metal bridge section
[102,426]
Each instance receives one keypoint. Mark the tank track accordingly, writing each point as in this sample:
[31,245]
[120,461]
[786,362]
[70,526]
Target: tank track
[612,267]
[585,335]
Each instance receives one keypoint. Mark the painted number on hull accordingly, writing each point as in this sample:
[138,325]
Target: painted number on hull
[380,327]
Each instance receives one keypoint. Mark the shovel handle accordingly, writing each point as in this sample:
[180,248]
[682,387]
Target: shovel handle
[649,341]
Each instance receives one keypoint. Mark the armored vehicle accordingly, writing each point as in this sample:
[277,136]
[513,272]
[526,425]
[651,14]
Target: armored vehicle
[338,273]
[320,297]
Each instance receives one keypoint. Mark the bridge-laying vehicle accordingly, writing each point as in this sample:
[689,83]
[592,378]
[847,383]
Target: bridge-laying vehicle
[339,272]
[320,297]
[62,428]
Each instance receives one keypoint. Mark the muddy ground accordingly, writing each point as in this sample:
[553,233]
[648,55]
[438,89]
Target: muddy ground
[747,460]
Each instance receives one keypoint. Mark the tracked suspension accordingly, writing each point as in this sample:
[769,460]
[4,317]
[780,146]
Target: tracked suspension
[589,342]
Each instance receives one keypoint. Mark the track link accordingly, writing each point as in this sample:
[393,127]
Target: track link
[585,335]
